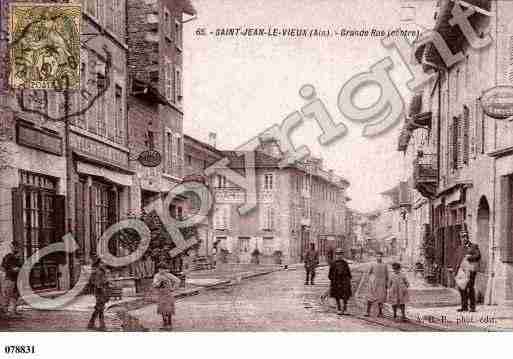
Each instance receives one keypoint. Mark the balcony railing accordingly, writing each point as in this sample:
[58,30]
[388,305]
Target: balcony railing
[425,175]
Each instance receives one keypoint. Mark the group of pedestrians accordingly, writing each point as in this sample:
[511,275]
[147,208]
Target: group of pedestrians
[382,286]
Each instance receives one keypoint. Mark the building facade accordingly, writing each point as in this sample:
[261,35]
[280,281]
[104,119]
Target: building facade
[296,206]
[80,176]
[463,167]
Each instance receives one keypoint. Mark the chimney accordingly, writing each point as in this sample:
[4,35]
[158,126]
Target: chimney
[212,139]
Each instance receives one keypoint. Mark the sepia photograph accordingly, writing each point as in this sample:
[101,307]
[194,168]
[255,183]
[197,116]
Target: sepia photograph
[221,166]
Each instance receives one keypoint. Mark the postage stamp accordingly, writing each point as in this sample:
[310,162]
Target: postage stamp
[45,46]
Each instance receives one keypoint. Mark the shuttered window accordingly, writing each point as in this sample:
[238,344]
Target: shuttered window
[466,135]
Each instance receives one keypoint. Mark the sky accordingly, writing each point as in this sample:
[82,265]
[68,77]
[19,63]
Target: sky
[240,86]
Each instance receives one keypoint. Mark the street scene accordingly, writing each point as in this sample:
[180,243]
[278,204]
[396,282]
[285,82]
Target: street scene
[166,167]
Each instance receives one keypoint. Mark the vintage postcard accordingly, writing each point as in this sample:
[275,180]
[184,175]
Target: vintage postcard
[264,166]
[45,47]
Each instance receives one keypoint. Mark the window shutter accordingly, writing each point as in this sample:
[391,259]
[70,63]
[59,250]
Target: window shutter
[466,135]
[92,210]
[17,217]
[59,217]
[506,245]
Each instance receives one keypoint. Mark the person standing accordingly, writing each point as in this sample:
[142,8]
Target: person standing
[165,283]
[398,291]
[11,264]
[378,280]
[472,255]
[99,286]
[311,263]
[340,281]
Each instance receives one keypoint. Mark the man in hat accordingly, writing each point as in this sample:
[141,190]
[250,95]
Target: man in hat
[99,286]
[470,253]
[311,263]
[340,281]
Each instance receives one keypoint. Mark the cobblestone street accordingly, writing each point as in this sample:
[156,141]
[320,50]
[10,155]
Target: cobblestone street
[276,302]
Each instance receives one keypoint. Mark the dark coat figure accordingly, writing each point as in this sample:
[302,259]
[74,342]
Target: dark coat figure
[340,278]
[100,288]
[11,264]
[311,263]
[471,252]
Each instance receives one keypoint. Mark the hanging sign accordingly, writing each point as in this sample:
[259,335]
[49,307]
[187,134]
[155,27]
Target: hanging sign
[497,102]
[150,158]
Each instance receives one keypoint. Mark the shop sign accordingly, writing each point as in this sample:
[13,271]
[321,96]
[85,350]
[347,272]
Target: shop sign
[39,139]
[150,158]
[497,102]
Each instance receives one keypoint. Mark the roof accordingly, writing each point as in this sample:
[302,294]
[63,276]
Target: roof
[203,144]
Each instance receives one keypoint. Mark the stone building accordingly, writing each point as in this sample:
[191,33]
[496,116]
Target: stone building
[296,205]
[198,157]
[464,165]
[45,193]
[155,111]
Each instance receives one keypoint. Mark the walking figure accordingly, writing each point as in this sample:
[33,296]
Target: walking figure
[340,281]
[398,291]
[165,283]
[311,263]
[378,280]
[99,285]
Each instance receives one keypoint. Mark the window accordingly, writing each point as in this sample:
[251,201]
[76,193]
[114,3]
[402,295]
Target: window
[221,181]
[154,77]
[169,152]
[167,25]
[111,14]
[82,120]
[268,181]
[178,84]
[454,142]
[168,81]
[101,123]
[91,7]
[119,118]
[244,244]
[188,160]
[268,245]
[221,217]
[178,32]
[466,135]
[268,218]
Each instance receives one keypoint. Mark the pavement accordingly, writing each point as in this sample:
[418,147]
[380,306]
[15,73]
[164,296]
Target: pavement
[278,301]
[436,307]
[269,298]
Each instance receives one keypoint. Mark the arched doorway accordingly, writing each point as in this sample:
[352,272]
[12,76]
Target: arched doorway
[483,240]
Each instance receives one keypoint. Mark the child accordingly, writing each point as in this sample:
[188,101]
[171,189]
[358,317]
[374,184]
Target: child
[398,291]
[165,283]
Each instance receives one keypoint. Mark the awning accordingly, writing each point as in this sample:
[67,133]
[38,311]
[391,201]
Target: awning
[111,176]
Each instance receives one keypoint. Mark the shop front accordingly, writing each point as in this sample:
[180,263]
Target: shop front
[38,218]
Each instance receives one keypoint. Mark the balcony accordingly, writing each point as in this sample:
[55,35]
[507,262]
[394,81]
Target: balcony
[425,175]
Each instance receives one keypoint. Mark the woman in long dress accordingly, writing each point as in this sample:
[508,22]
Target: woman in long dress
[165,283]
[378,280]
